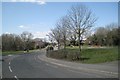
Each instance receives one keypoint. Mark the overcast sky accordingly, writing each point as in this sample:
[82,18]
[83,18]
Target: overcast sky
[39,18]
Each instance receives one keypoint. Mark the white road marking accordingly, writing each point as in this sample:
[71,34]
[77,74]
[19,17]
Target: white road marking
[16,77]
[1,76]
[85,69]
[10,69]
[9,63]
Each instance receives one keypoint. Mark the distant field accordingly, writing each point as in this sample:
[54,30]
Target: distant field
[11,52]
[89,55]
[15,52]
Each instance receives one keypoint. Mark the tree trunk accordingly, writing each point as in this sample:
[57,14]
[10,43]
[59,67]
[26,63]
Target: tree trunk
[58,45]
[64,43]
[79,35]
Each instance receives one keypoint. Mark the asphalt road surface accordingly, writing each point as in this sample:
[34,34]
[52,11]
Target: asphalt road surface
[36,65]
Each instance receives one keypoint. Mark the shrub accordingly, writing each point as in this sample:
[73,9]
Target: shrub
[93,55]
[49,48]
[63,54]
[59,54]
[73,56]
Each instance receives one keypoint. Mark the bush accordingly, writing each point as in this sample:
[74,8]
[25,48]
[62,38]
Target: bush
[63,54]
[73,56]
[49,48]
[93,55]
[59,54]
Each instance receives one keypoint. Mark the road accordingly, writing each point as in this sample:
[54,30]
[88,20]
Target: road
[37,65]
[0,63]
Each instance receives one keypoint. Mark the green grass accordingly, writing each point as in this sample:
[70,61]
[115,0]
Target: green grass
[100,55]
[15,52]
[11,52]
[88,55]
[76,47]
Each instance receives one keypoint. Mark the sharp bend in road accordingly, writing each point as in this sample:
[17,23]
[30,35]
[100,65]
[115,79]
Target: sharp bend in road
[34,65]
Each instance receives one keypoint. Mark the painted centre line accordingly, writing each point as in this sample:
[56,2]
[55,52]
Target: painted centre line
[10,69]
[9,63]
[16,77]
[1,76]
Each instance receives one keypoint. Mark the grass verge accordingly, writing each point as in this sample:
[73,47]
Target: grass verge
[91,55]
[15,52]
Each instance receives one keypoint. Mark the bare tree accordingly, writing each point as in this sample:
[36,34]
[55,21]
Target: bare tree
[80,20]
[63,28]
[72,38]
[26,37]
[108,37]
[55,34]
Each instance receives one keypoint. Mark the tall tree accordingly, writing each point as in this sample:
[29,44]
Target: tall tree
[63,28]
[80,20]
[73,38]
[107,35]
[55,34]
[26,37]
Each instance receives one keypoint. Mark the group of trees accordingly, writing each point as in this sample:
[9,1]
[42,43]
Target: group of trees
[76,23]
[105,36]
[17,42]
[61,32]
[24,41]
[40,43]
[73,25]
